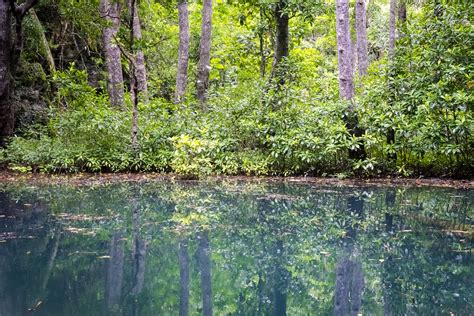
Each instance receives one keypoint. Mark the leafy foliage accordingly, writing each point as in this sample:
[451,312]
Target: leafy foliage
[253,125]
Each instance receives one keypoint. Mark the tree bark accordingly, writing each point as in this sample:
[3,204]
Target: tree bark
[204,65]
[140,68]
[183,51]
[204,260]
[45,49]
[346,75]
[282,38]
[402,11]
[361,32]
[392,29]
[9,55]
[7,117]
[111,13]
[346,80]
[261,39]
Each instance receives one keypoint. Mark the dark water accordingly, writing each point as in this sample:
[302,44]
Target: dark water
[235,249]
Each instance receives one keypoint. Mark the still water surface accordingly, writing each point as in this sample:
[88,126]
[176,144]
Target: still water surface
[235,248]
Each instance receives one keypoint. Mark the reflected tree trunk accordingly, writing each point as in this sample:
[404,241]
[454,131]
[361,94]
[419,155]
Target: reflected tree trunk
[387,282]
[204,260]
[281,279]
[51,260]
[114,274]
[183,258]
[138,253]
[349,273]
[183,51]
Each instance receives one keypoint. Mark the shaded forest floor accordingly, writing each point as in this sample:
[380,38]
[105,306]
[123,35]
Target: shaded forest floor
[85,179]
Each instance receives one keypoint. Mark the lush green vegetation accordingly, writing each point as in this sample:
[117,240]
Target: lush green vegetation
[253,122]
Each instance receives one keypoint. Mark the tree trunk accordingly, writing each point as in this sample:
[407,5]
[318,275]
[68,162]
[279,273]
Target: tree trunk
[111,13]
[134,73]
[402,11]
[45,49]
[361,31]
[7,118]
[183,258]
[346,75]
[204,260]
[281,40]
[204,65]
[392,28]
[261,39]
[9,56]
[140,69]
[183,51]
[346,80]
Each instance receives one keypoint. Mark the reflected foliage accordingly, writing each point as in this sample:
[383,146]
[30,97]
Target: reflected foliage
[235,248]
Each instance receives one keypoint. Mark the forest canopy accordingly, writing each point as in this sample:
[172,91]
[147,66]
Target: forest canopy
[264,87]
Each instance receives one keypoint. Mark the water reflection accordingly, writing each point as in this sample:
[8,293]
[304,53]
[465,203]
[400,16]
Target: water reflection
[235,249]
[349,274]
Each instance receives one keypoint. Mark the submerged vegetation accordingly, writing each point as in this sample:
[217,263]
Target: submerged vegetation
[273,98]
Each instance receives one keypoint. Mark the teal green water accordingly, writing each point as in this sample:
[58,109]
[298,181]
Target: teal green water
[235,248]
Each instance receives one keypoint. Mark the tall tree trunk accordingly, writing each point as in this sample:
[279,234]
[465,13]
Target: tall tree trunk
[261,39]
[346,74]
[204,260]
[402,11]
[392,29]
[134,81]
[45,49]
[9,56]
[183,258]
[183,51]
[361,31]
[136,32]
[204,65]
[111,13]
[346,80]
[7,117]
[282,38]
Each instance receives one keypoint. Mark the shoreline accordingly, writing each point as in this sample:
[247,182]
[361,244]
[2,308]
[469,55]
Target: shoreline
[85,179]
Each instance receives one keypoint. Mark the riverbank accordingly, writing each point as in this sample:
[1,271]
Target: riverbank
[109,178]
